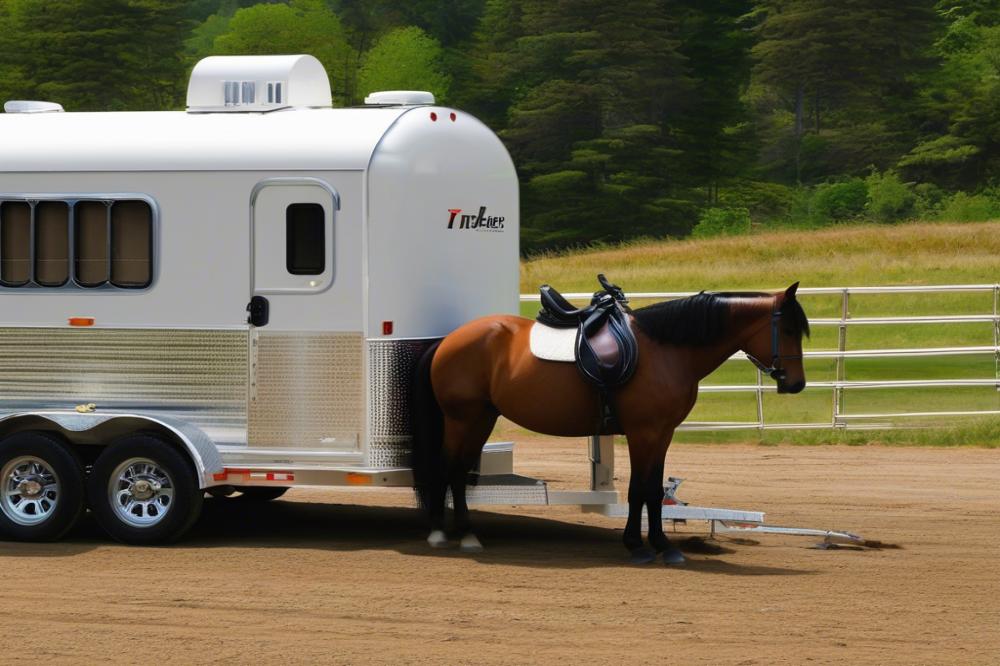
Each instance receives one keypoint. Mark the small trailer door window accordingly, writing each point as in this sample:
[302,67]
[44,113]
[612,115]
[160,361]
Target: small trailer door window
[305,239]
[15,243]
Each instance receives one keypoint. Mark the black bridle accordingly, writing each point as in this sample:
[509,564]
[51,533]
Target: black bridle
[775,370]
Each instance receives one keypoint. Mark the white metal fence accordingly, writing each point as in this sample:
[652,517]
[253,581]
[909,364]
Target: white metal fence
[838,386]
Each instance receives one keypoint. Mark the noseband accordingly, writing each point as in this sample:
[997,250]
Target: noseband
[775,370]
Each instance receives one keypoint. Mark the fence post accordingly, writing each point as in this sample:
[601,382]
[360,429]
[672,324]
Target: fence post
[996,333]
[841,374]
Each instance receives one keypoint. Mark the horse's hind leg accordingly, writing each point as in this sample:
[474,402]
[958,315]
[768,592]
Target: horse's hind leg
[463,442]
[632,537]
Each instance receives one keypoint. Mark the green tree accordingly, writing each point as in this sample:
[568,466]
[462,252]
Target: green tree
[98,55]
[485,71]
[450,22]
[959,108]
[833,77]
[716,129]
[599,93]
[405,59]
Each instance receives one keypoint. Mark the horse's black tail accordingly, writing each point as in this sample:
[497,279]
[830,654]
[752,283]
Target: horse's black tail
[427,428]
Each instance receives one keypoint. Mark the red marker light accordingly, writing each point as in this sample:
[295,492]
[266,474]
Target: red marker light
[453,116]
[387,328]
[434,116]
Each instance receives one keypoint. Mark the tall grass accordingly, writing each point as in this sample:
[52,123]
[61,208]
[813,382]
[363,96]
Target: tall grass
[916,253]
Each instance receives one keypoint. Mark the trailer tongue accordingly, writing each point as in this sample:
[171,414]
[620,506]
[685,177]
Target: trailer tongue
[506,488]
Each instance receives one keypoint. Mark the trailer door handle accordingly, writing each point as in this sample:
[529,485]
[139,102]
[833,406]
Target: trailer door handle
[258,309]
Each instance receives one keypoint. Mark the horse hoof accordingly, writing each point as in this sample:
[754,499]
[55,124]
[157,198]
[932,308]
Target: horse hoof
[438,539]
[642,555]
[470,544]
[673,558]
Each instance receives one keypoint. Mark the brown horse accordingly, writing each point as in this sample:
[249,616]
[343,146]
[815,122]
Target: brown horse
[485,369]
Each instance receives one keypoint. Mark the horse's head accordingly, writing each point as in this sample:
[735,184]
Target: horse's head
[776,348]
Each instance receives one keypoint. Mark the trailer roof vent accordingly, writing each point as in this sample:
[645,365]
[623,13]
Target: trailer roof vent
[257,83]
[28,106]
[400,98]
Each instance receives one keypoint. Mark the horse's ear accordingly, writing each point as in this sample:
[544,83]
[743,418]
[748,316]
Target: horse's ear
[790,292]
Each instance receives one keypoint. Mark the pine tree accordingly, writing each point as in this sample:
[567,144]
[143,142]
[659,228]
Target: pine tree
[959,108]
[845,65]
[716,132]
[99,55]
[601,90]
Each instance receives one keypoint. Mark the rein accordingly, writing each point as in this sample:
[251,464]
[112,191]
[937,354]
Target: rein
[775,370]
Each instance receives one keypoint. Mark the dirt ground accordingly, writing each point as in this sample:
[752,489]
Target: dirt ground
[345,577]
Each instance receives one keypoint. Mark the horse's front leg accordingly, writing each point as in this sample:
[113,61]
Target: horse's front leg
[654,511]
[646,450]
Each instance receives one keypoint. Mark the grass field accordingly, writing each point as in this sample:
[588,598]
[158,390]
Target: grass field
[911,254]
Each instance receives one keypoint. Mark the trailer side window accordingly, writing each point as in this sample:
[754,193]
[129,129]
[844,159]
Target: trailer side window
[305,239]
[87,242]
[131,244]
[15,243]
[51,243]
[91,262]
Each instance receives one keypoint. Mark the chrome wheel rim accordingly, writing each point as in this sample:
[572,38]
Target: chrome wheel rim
[141,492]
[31,490]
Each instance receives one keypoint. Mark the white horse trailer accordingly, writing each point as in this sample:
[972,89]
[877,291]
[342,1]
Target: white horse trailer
[133,246]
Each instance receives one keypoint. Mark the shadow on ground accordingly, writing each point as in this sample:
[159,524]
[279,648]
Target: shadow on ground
[510,540]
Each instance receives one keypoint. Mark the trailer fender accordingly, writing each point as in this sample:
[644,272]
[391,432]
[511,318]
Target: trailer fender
[199,446]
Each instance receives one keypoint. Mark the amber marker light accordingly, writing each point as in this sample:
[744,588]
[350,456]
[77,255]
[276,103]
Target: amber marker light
[81,321]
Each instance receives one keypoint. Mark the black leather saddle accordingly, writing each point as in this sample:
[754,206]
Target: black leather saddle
[606,348]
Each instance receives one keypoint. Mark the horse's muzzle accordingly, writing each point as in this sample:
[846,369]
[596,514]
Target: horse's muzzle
[792,388]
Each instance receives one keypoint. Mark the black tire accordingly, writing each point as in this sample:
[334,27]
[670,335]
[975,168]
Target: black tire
[19,514]
[261,493]
[155,519]
[220,492]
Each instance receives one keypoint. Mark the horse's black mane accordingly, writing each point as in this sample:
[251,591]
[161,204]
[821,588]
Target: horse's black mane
[704,318]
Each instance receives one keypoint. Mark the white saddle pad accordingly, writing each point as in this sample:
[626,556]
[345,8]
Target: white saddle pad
[553,344]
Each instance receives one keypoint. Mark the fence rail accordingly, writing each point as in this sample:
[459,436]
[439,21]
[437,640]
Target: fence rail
[841,384]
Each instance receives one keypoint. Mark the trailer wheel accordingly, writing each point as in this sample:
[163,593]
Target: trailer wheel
[41,487]
[143,491]
[261,493]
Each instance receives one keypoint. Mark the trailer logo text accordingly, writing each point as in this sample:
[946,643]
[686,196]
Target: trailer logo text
[479,221]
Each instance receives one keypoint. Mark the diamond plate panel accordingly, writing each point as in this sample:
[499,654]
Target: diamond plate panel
[196,376]
[390,368]
[307,390]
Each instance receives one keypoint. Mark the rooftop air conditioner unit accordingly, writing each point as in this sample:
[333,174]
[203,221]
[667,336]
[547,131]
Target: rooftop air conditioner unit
[257,83]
